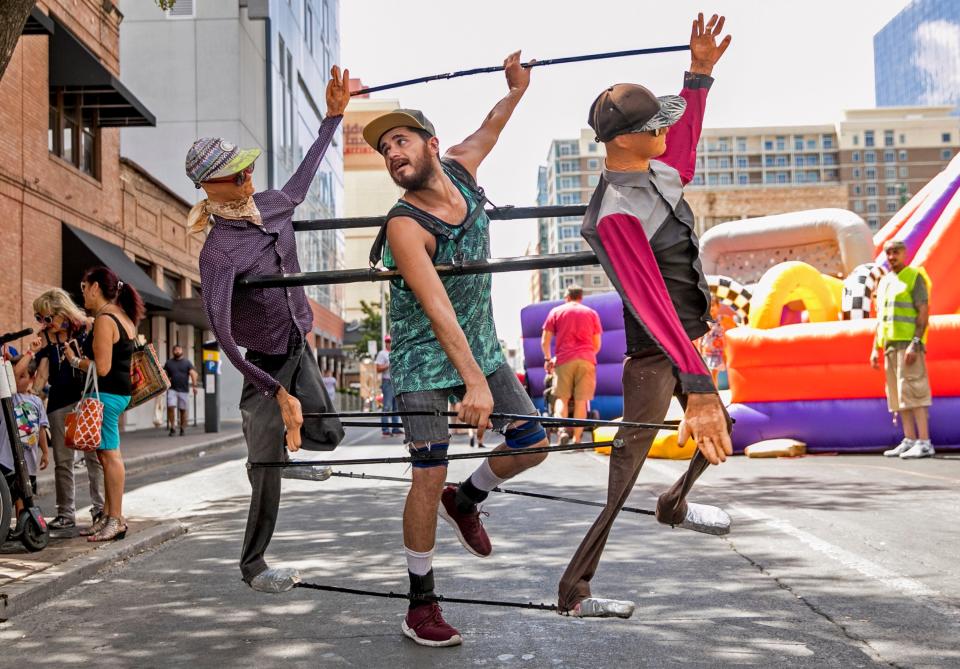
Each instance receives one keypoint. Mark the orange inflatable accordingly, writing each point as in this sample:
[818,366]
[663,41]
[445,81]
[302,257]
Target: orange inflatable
[812,361]
[939,255]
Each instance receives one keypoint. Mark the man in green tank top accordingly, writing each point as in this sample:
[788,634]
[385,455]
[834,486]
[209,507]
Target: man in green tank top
[444,338]
[903,310]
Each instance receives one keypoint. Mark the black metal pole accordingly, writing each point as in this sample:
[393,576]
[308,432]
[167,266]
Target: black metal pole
[538,63]
[509,213]
[491,266]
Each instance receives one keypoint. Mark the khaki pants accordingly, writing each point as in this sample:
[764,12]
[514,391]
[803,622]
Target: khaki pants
[908,386]
[576,380]
[63,459]
[648,385]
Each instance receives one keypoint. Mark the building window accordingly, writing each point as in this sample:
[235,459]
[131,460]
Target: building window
[592,147]
[904,172]
[889,172]
[798,161]
[902,155]
[798,143]
[568,166]
[831,175]
[945,137]
[743,179]
[783,178]
[697,179]
[768,146]
[856,189]
[868,137]
[741,143]
[73,132]
[183,9]
[873,222]
[593,180]
[855,156]
[811,144]
[725,179]
[593,164]
[308,25]
[888,137]
[781,143]
[781,161]
[946,154]
[891,189]
[827,141]
[724,163]
[856,140]
[903,138]
[829,159]
[891,206]
[889,156]
[871,174]
[858,205]
[871,190]
[869,156]
[871,207]
[597,280]
[712,179]
[856,172]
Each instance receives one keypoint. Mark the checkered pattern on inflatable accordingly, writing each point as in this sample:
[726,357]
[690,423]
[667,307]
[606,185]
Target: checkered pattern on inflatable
[858,291]
[732,293]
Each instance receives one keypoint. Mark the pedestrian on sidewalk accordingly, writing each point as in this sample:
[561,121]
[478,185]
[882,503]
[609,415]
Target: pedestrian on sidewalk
[63,325]
[903,311]
[31,419]
[183,378]
[117,309]
[576,328]
[251,234]
[330,385]
[386,389]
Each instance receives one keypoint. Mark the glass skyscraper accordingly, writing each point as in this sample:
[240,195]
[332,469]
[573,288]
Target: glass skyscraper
[917,56]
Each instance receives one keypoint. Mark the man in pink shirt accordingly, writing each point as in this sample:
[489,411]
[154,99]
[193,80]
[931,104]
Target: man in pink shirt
[577,330]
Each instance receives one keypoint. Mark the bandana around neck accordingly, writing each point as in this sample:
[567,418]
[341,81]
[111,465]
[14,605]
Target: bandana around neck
[238,210]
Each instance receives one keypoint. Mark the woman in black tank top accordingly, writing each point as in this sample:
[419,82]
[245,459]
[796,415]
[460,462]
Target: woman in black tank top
[117,308]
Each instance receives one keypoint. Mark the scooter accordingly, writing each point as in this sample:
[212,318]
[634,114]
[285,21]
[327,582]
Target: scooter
[31,528]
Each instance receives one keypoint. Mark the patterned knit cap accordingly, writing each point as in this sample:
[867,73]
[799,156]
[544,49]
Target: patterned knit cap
[214,157]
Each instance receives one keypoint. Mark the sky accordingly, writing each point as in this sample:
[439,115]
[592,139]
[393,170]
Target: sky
[789,63]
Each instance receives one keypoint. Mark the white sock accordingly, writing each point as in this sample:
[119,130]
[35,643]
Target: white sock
[419,563]
[484,478]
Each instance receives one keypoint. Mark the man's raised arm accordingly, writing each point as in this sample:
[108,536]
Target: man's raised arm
[471,151]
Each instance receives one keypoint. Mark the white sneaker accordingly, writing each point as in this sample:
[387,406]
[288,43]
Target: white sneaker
[594,607]
[307,473]
[902,447]
[707,519]
[920,449]
[276,580]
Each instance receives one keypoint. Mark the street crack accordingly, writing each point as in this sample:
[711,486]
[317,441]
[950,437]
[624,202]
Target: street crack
[783,585]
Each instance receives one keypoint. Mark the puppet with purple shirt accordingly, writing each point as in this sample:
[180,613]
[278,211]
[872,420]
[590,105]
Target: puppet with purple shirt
[251,234]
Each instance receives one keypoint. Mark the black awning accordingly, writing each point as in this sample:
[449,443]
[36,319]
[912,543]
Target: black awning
[38,23]
[82,250]
[189,311]
[78,72]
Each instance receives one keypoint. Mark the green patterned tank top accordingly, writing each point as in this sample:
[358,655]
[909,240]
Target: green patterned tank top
[417,361]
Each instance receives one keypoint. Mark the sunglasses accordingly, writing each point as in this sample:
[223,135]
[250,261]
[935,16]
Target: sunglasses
[237,179]
[46,320]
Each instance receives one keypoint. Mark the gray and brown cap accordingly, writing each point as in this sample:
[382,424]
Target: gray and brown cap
[398,118]
[627,108]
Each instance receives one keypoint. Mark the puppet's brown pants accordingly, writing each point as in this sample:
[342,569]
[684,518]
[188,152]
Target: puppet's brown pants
[648,385]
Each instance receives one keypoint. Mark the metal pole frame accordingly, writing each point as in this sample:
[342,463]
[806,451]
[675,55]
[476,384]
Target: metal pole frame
[489,266]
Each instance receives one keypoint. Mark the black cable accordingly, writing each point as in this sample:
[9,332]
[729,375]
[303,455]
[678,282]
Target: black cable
[507,491]
[538,63]
[434,598]
[424,458]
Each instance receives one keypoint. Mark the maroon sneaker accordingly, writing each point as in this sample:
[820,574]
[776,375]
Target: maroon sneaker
[468,526]
[425,625]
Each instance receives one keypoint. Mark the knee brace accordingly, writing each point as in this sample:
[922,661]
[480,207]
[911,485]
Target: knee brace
[525,434]
[432,455]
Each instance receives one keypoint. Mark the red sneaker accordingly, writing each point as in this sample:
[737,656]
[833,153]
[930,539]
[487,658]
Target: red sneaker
[425,625]
[468,526]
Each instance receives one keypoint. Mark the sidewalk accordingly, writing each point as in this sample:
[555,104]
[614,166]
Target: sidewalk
[28,579]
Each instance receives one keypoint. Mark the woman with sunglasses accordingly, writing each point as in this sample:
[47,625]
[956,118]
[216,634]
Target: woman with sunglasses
[117,309]
[63,325]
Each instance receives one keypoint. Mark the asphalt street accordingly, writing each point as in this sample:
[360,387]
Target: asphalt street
[833,561]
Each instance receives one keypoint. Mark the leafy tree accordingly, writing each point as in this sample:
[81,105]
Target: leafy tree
[13,16]
[370,326]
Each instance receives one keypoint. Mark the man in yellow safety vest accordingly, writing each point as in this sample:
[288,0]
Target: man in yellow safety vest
[903,297]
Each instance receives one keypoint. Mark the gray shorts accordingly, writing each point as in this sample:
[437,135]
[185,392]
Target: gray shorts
[508,397]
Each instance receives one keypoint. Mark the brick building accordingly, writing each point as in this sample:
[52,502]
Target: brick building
[68,200]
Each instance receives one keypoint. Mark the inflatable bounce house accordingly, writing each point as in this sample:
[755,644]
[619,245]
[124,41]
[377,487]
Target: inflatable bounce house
[799,290]
[799,368]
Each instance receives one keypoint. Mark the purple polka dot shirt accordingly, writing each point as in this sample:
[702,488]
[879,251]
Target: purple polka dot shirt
[260,319]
